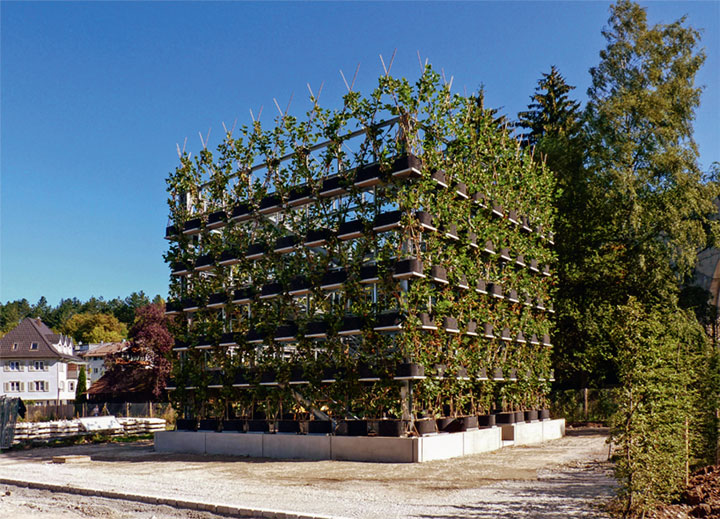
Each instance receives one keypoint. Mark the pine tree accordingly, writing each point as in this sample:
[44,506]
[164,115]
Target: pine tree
[80,390]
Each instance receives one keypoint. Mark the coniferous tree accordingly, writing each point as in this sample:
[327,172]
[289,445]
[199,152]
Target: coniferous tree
[81,390]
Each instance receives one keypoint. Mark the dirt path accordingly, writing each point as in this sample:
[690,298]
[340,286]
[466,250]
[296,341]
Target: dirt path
[561,478]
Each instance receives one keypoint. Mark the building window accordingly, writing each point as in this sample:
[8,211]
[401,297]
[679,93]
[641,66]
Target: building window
[14,365]
[41,385]
[71,386]
[39,365]
[15,346]
[33,345]
[95,370]
[15,387]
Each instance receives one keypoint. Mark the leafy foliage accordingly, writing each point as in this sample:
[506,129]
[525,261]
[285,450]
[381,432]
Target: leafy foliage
[94,328]
[81,390]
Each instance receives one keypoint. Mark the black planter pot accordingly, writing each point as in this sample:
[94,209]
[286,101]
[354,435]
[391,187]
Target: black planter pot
[471,329]
[367,176]
[258,426]
[426,220]
[217,300]
[497,209]
[192,226]
[287,426]
[480,199]
[286,244]
[486,420]
[317,237]
[297,376]
[241,379]
[367,373]
[439,274]
[204,263]
[234,426]
[208,424]
[463,282]
[216,220]
[369,274]
[439,371]
[316,330]
[450,325]
[319,426]
[286,332]
[406,165]
[506,335]
[439,178]
[270,204]
[229,256]
[299,286]
[513,296]
[330,374]
[255,336]
[255,251]
[461,191]
[471,239]
[171,232]
[408,268]
[270,290]
[388,322]
[498,374]
[462,374]
[394,428]
[513,217]
[186,424]
[488,331]
[350,230]
[496,290]
[243,296]
[468,423]
[409,371]
[519,416]
[228,339]
[332,186]
[268,377]
[352,428]
[426,322]
[489,247]
[544,414]
[299,195]
[531,416]
[241,212]
[173,308]
[351,325]
[450,231]
[179,269]
[481,287]
[505,418]
[333,280]
[446,424]
[387,221]
[191,304]
[505,254]
[426,426]
[520,261]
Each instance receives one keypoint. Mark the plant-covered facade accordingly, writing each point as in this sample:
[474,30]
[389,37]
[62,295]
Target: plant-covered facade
[388,259]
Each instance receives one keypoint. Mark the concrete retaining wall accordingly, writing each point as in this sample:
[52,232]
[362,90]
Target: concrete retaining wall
[358,448]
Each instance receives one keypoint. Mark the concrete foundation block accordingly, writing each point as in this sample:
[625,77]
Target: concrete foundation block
[482,440]
[553,429]
[234,444]
[361,448]
[180,441]
[441,447]
[296,446]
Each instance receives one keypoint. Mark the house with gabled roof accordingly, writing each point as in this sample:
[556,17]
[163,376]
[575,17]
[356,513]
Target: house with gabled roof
[95,356]
[37,364]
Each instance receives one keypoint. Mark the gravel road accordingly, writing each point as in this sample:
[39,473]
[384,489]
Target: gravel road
[568,477]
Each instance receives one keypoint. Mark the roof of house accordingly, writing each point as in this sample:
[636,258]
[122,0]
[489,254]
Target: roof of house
[31,331]
[104,349]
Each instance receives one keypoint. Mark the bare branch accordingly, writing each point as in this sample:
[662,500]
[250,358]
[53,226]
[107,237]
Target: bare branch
[422,69]
[391,62]
[352,85]
[383,64]
[345,81]
[278,107]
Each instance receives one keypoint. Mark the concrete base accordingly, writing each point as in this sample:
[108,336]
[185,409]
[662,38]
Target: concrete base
[359,448]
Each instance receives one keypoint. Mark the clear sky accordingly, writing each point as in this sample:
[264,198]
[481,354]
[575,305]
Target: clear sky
[95,96]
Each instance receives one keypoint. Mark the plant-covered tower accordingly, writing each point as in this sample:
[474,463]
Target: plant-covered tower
[383,260]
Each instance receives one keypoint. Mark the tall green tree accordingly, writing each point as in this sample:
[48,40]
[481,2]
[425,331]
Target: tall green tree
[81,390]
[94,328]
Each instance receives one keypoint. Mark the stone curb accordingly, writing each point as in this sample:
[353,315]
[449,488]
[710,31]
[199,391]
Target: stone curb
[231,511]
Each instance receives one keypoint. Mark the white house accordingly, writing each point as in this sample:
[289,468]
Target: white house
[37,364]
[95,356]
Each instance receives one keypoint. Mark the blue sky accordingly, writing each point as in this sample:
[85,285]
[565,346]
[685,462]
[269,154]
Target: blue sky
[95,96]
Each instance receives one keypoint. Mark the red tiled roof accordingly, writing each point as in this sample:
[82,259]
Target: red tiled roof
[16,343]
[105,349]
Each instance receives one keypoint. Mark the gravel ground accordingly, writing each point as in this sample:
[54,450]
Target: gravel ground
[562,478]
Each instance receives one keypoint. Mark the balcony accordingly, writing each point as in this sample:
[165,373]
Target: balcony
[489,247]
[471,329]
[426,322]
[171,233]
[426,220]
[179,269]
[497,209]
[229,256]
[488,331]
[480,199]
[480,287]
[191,304]
[271,290]
[367,176]
[406,166]
[461,191]
[496,290]
[439,178]
[255,336]
[332,186]
[450,231]
[240,379]
[173,308]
